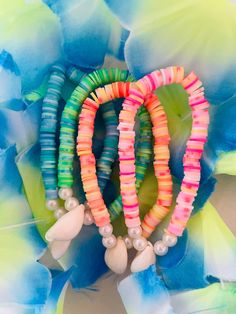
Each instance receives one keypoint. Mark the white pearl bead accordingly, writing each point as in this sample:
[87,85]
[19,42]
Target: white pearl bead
[140,243]
[160,248]
[106,231]
[65,193]
[109,242]
[128,242]
[169,239]
[135,232]
[86,205]
[71,203]
[88,218]
[52,204]
[59,213]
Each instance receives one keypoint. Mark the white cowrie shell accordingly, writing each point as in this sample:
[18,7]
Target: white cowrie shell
[143,259]
[116,258]
[68,226]
[58,248]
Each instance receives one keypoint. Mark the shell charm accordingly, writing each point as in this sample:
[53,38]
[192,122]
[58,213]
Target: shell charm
[68,226]
[116,258]
[58,248]
[143,259]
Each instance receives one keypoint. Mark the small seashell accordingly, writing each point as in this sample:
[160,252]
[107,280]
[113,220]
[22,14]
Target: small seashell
[143,259]
[58,248]
[68,226]
[116,258]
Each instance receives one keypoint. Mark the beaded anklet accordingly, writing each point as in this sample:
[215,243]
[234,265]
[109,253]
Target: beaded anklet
[195,146]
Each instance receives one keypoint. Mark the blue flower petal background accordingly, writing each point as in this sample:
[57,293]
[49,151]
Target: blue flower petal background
[142,35]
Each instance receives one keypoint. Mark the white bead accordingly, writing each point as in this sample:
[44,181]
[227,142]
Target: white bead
[169,239]
[65,193]
[160,248]
[59,213]
[71,203]
[106,231]
[109,242]
[140,243]
[128,242]
[88,217]
[52,204]
[135,232]
[86,205]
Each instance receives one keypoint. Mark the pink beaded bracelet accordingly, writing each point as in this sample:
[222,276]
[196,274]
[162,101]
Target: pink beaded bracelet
[85,133]
[191,160]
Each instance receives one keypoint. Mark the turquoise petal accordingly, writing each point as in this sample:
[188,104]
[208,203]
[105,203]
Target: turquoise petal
[9,78]
[144,292]
[183,266]
[167,32]
[215,299]
[31,33]
[22,279]
[86,255]
[19,127]
[90,31]
[55,299]
[81,254]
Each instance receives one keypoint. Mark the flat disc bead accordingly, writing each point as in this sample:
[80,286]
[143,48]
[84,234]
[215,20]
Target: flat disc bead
[160,248]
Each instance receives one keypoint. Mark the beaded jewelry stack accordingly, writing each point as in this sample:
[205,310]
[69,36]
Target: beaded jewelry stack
[59,235]
[82,107]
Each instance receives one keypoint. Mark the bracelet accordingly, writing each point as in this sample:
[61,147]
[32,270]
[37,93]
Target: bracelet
[58,235]
[88,171]
[191,160]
